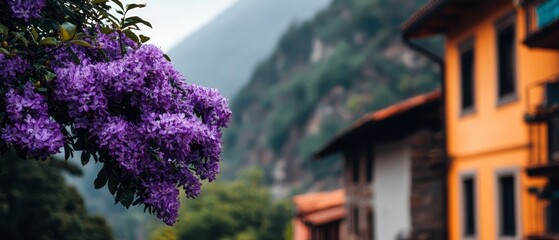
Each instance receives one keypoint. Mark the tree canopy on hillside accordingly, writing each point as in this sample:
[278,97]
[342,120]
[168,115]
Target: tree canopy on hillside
[36,203]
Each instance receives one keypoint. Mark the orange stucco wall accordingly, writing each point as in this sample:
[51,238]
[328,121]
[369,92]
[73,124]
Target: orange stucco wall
[494,137]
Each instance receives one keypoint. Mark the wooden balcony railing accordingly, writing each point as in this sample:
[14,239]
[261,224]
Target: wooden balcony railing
[542,115]
[543,206]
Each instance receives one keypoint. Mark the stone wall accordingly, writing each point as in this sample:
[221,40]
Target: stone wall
[427,202]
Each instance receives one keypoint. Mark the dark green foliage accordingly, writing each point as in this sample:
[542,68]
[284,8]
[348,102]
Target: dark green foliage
[241,209]
[36,203]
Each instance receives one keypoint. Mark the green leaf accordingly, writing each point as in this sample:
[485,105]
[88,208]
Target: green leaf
[99,1]
[49,75]
[4,51]
[144,38]
[34,34]
[130,25]
[109,16]
[119,4]
[125,195]
[131,35]
[81,36]
[132,6]
[105,57]
[167,57]
[102,178]
[4,30]
[66,152]
[41,89]
[113,184]
[21,38]
[136,19]
[81,43]
[137,202]
[107,30]
[48,41]
[74,57]
[67,31]
[85,157]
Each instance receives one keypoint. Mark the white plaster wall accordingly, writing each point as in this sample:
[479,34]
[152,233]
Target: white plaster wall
[391,188]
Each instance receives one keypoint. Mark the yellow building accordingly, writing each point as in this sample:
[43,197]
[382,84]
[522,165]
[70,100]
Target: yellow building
[500,66]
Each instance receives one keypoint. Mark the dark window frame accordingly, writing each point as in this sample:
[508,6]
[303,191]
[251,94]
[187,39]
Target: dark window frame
[465,47]
[465,232]
[502,24]
[501,204]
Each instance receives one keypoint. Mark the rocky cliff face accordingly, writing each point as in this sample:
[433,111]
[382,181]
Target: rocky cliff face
[323,75]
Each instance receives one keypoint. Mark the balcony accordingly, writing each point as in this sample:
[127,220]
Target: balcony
[543,217]
[542,24]
[542,116]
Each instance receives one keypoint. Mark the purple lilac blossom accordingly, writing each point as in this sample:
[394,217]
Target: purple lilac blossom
[26,9]
[11,67]
[178,127]
[29,126]
[165,198]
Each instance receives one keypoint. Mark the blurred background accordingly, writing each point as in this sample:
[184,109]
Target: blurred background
[296,73]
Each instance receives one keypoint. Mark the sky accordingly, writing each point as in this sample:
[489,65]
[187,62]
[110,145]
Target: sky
[173,20]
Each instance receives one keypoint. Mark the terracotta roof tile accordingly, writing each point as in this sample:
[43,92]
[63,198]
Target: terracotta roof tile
[313,202]
[325,216]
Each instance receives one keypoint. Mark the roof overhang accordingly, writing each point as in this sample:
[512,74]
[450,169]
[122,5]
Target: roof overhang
[438,16]
[325,216]
[391,123]
[314,202]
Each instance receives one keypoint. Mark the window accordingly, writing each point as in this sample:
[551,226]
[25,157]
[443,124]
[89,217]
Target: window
[370,164]
[467,75]
[506,39]
[468,208]
[355,166]
[507,206]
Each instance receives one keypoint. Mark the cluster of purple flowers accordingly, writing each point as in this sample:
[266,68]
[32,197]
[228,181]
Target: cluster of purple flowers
[26,9]
[161,131]
[11,67]
[135,111]
[29,125]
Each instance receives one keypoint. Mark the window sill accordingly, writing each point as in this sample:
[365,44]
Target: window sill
[467,111]
[469,237]
[509,238]
[507,99]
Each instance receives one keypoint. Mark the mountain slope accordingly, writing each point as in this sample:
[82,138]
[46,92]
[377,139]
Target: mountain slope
[323,74]
[223,53]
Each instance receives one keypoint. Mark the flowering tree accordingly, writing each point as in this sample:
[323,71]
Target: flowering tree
[73,76]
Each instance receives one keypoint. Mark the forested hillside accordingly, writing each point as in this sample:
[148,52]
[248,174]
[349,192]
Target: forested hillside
[324,74]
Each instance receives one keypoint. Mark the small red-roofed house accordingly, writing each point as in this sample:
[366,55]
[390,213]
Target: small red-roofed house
[319,216]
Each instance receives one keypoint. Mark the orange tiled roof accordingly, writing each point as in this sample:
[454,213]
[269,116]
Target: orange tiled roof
[398,108]
[314,202]
[326,216]
[378,116]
